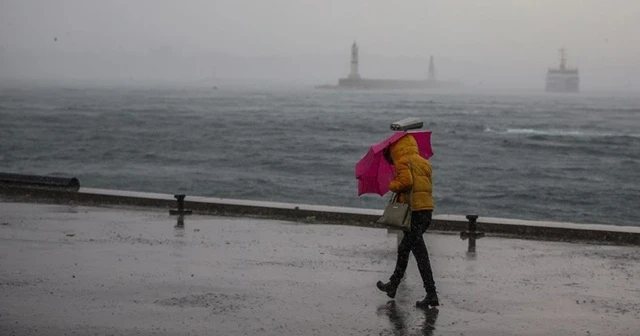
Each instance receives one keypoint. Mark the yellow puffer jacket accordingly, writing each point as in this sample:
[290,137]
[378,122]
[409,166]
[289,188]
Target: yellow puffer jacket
[407,160]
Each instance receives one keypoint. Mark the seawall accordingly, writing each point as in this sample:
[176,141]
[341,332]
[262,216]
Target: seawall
[555,231]
[394,84]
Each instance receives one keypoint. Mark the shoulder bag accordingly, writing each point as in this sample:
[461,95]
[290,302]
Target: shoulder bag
[396,214]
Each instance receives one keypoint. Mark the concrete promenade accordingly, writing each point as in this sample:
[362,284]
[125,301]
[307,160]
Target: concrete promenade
[128,270]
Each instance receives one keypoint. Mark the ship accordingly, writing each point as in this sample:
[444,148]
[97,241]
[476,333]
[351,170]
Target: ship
[563,78]
[355,81]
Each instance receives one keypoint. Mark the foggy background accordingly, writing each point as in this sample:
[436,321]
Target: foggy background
[485,44]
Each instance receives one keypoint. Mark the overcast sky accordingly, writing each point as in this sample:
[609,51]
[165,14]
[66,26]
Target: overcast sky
[476,41]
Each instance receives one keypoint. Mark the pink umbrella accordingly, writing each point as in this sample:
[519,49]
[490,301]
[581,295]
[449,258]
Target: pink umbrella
[374,172]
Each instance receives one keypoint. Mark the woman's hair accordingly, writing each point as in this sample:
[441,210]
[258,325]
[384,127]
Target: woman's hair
[387,155]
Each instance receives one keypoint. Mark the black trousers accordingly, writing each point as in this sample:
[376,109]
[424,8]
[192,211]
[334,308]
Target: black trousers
[414,242]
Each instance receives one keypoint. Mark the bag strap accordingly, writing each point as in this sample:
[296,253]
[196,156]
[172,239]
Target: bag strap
[413,182]
[394,197]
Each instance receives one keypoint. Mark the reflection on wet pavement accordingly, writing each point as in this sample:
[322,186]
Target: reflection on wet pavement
[399,324]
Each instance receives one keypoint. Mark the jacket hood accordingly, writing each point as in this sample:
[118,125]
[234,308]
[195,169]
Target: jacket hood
[405,146]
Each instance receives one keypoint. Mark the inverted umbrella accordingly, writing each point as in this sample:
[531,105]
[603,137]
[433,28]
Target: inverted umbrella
[374,172]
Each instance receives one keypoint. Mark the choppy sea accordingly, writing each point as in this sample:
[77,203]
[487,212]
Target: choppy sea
[536,156]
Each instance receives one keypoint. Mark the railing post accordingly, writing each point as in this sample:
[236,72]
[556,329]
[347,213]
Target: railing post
[180,211]
[472,234]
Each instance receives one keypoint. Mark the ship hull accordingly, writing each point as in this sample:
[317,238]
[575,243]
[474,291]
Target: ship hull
[569,84]
[563,79]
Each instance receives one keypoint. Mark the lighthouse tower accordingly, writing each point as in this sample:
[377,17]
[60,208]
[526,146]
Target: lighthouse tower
[354,62]
[563,59]
[431,76]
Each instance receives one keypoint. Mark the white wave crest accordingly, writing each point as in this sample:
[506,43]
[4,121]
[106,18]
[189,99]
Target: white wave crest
[555,132]
[560,132]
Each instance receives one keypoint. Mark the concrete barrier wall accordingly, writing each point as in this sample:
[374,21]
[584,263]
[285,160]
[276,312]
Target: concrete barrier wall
[595,233]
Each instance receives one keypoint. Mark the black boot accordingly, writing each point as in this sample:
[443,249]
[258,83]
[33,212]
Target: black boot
[430,300]
[389,288]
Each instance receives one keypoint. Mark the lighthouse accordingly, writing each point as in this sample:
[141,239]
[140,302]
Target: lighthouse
[431,75]
[354,62]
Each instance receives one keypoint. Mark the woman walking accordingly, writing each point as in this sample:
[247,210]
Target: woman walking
[412,174]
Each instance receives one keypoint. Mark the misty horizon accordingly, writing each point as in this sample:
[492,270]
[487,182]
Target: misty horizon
[498,43]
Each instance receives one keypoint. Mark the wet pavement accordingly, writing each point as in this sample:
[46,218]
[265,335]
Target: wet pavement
[79,270]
